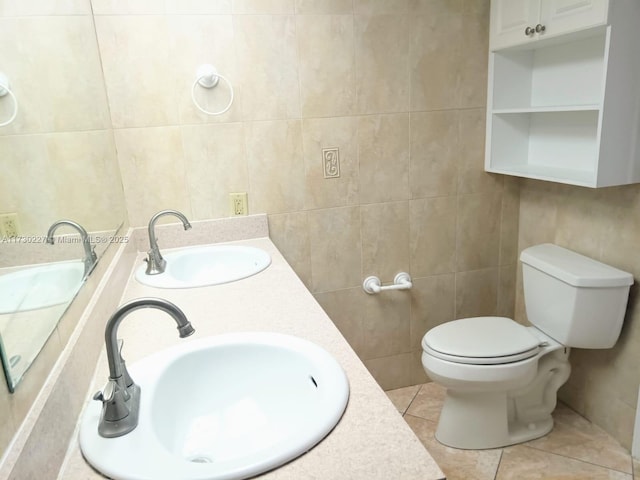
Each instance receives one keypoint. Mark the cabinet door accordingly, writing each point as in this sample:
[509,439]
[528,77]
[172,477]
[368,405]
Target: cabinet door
[565,16]
[510,19]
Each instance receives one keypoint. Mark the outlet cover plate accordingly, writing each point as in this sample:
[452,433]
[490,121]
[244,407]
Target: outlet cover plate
[239,204]
[9,226]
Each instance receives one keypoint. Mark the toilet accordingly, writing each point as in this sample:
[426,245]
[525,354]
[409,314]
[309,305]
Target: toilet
[502,377]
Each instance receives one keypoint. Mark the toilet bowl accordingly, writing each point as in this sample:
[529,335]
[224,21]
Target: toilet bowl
[502,377]
[484,406]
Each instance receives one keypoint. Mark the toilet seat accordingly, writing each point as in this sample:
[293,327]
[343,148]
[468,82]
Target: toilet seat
[481,341]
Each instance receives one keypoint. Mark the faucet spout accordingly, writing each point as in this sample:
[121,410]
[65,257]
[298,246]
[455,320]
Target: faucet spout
[121,396]
[155,263]
[90,257]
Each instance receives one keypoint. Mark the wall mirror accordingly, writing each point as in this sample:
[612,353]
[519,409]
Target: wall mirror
[58,161]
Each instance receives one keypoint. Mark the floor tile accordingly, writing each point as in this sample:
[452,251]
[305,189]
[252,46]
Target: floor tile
[576,437]
[402,397]
[456,464]
[525,463]
[574,450]
[428,402]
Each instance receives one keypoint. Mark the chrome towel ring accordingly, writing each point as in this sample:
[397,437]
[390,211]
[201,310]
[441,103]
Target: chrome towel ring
[208,77]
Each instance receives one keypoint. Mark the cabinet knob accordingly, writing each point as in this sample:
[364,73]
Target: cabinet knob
[540,28]
[529,31]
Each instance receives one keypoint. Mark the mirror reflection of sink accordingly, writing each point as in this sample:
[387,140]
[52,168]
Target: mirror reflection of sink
[40,286]
[225,407]
[208,265]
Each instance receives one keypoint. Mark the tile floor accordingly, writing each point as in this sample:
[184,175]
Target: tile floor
[575,449]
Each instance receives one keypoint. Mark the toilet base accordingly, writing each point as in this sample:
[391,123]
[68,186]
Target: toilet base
[484,421]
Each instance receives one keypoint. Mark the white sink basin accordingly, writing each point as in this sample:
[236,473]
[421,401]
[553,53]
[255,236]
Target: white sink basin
[224,407]
[40,286]
[208,265]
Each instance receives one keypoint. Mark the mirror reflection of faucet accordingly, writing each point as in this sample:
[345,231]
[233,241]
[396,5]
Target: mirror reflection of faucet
[121,396]
[155,263]
[90,257]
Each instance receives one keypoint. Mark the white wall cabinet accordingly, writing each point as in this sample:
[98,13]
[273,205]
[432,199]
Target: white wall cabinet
[517,22]
[567,108]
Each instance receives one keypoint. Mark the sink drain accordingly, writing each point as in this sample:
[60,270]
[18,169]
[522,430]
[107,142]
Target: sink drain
[200,459]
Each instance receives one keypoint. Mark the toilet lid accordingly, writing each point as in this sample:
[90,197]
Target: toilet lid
[481,340]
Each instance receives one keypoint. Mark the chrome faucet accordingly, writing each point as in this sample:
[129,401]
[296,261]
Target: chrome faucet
[121,396]
[90,257]
[155,263]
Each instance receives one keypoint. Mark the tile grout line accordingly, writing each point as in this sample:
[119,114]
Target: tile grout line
[404,412]
[578,459]
[495,477]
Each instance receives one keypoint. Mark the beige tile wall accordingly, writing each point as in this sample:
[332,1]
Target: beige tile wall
[604,225]
[397,86]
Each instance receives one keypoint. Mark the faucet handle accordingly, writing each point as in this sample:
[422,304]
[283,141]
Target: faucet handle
[107,393]
[114,400]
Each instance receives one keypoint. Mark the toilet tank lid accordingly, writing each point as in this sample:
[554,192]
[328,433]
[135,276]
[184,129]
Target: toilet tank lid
[573,268]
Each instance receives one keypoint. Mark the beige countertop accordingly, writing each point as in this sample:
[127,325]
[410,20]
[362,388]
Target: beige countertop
[371,441]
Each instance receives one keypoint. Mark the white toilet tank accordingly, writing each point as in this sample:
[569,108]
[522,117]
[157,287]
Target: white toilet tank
[576,300]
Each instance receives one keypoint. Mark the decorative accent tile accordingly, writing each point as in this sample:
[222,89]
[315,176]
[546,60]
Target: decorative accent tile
[331,162]
[340,133]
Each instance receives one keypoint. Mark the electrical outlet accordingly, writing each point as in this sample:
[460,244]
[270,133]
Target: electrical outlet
[239,204]
[9,225]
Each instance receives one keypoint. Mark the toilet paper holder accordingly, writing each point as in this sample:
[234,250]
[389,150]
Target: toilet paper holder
[372,284]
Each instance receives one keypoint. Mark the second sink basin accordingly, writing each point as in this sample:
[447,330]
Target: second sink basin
[208,265]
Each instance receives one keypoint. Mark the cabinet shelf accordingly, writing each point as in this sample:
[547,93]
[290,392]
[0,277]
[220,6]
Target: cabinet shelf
[565,109]
[571,176]
[536,142]
[549,109]
[553,76]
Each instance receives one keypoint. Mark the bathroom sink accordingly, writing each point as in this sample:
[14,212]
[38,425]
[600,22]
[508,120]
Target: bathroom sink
[208,265]
[40,286]
[225,407]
